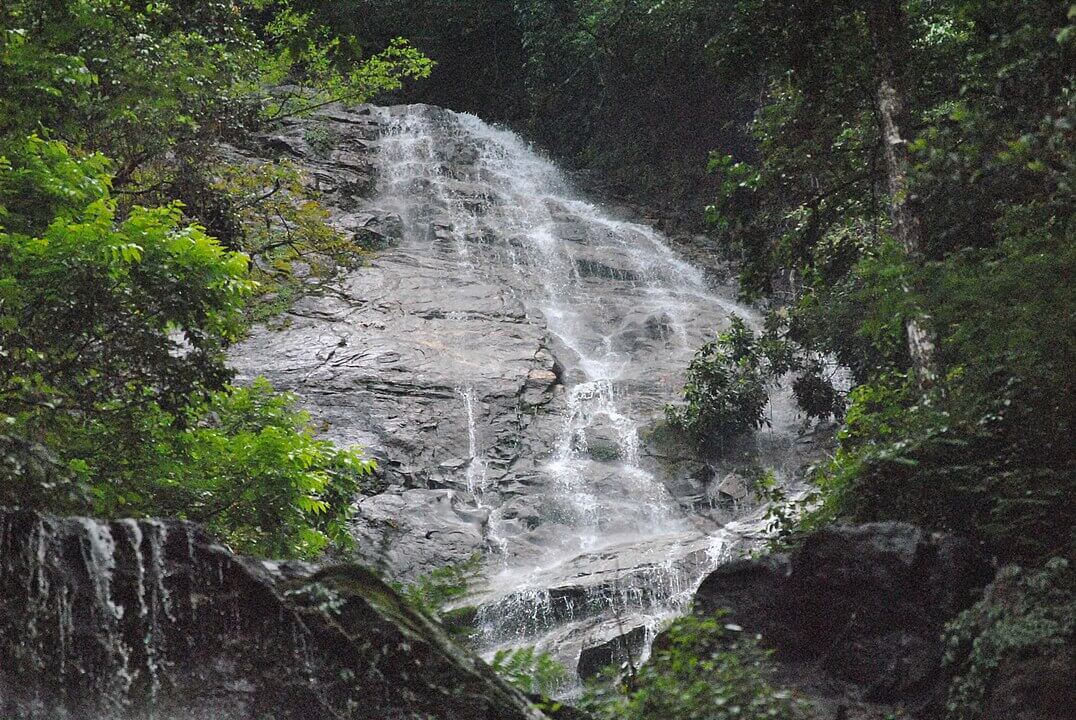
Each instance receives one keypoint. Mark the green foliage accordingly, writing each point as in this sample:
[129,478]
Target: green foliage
[434,591]
[247,467]
[98,313]
[986,452]
[624,87]
[1027,614]
[116,309]
[700,670]
[156,78]
[321,139]
[155,87]
[784,516]
[532,672]
[989,91]
[475,43]
[113,389]
[725,391]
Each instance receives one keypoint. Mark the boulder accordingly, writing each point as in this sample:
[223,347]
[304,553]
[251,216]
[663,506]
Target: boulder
[732,488]
[146,618]
[862,605]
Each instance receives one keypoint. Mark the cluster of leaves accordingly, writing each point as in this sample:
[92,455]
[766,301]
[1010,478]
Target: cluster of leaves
[726,385]
[1028,614]
[725,391]
[118,302]
[99,312]
[532,672]
[247,466]
[434,591]
[700,668]
[141,82]
[628,87]
[155,87]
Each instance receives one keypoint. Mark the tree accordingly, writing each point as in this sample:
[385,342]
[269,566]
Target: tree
[888,31]
[912,213]
[114,394]
[725,392]
[98,312]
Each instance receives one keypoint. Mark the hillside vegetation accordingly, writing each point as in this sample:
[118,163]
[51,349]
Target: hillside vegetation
[893,178]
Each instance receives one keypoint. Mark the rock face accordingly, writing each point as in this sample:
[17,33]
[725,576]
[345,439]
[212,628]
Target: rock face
[141,619]
[855,611]
[504,356]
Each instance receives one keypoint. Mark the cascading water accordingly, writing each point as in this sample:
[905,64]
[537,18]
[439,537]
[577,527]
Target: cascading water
[533,446]
[611,547]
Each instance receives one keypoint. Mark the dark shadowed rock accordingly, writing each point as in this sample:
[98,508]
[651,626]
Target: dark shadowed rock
[110,621]
[623,647]
[863,605]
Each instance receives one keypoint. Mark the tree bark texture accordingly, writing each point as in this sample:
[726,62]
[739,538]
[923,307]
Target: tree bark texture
[887,26]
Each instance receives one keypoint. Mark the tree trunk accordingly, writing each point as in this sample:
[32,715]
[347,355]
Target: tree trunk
[887,25]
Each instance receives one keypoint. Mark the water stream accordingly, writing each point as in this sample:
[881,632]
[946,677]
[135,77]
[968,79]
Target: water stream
[624,314]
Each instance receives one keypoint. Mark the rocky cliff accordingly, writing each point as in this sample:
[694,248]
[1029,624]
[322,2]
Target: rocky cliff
[151,619]
[506,355]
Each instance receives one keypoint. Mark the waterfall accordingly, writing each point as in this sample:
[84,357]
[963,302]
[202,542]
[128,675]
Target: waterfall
[623,314]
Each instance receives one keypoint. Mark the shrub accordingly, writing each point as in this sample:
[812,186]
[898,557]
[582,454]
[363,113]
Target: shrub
[250,468]
[532,672]
[114,394]
[700,670]
[432,592]
[725,392]
[1025,615]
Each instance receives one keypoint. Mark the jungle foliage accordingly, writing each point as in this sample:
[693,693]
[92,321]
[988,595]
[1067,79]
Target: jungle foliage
[975,436]
[700,668]
[625,88]
[725,392]
[130,254]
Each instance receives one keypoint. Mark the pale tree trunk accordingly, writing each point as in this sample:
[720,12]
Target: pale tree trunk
[887,25]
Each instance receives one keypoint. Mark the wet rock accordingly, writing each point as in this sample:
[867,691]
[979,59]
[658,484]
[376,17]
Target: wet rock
[373,230]
[864,605]
[733,487]
[285,144]
[602,442]
[407,533]
[620,649]
[588,268]
[132,619]
[497,359]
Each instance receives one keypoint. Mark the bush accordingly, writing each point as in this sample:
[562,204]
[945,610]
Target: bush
[976,456]
[98,313]
[532,672]
[725,391]
[432,592]
[1026,617]
[700,670]
[250,469]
